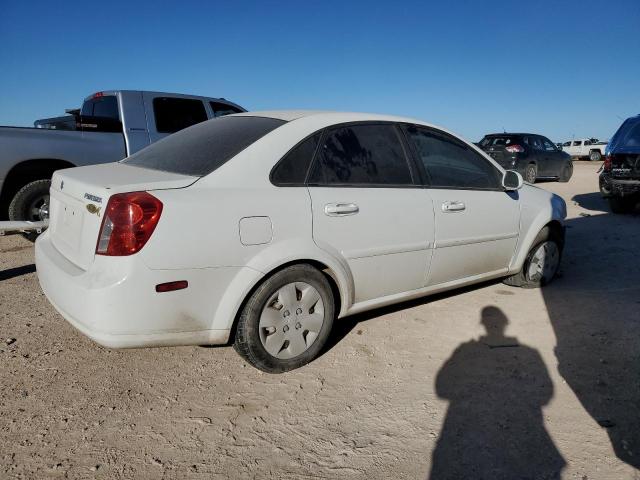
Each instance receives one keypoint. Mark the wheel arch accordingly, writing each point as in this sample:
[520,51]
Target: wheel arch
[27,171]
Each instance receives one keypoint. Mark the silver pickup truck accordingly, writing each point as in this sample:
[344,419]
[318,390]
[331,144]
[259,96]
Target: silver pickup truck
[110,126]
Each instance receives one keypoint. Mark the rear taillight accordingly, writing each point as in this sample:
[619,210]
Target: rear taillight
[129,220]
[514,149]
[607,163]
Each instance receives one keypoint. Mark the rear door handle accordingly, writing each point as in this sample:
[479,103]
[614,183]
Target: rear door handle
[340,209]
[453,207]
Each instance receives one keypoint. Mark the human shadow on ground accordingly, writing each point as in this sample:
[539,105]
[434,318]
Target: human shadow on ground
[494,428]
[594,309]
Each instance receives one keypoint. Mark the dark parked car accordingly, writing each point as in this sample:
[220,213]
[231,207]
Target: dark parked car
[620,176]
[533,156]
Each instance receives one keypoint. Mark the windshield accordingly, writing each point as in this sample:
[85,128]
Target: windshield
[202,148]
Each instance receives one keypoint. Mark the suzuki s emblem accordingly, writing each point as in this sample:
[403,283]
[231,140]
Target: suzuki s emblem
[91,208]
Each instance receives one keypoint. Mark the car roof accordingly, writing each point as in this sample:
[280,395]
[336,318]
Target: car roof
[506,134]
[330,116]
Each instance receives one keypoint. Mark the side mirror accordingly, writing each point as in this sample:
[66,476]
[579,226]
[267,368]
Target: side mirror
[512,180]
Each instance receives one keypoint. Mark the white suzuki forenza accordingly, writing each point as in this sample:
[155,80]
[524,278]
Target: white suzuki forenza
[261,228]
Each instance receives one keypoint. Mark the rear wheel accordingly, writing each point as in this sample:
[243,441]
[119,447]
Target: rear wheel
[595,155]
[286,321]
[531,173]
[542,262]
[622,204]
[566,173]
[31,203]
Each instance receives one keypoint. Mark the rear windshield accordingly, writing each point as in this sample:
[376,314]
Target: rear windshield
[102,106]
[202,148]
[627,138]
[501,141]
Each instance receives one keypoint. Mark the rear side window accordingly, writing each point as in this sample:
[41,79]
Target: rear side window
[497,141]
[222,109]
[174,114]
[104,106]
[450,163]
[200,150]
[361,155]
[293,168]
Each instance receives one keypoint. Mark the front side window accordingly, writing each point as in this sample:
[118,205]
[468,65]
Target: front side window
[361,155]
[450,163]
[577,143]
[222,109]
[174,114]
[200,150]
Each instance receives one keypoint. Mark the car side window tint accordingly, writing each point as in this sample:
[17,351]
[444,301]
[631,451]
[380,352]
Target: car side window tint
[173,114]
[548,146]
[450,163]
[221,109]
[361,155]
[293,168]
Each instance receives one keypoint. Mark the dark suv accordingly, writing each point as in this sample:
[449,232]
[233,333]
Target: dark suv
[620,177]
[533,156]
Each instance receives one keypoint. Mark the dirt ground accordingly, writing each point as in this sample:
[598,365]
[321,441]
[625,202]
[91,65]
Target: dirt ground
[488,382]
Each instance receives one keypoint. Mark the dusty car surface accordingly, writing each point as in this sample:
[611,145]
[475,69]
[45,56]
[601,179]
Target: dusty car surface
[261,228]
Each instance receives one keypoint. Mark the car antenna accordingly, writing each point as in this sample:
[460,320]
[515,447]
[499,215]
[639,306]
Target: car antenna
[504,130]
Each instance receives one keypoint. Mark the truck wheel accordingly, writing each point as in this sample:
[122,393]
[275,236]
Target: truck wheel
[531,173]
[566,173]
[595,155]
[31,203]
[622,204]
[605,189]
[542,262]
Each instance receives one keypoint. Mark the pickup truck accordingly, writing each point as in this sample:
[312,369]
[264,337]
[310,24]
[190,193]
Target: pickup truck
[109,126]
[589,148]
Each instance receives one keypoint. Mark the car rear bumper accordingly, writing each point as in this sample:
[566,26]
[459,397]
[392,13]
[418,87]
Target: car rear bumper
[115,302]
[621,187]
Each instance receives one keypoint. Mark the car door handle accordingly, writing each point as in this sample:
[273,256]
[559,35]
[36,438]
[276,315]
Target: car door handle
[340,209]
[453,207]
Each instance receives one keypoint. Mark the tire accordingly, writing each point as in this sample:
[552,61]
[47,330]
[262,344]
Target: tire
[531,173]
[622,204]
[31,203]
[566,173]
[269,331]
[526,278]
[595,155]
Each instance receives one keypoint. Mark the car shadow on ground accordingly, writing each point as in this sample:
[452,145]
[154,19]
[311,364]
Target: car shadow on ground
[494,428]
[594,309]
[16,272]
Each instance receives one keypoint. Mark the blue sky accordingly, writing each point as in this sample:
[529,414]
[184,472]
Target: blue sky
[560,68]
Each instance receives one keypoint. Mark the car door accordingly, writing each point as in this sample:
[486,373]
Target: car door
[369,209]
[476,220]
[553,158]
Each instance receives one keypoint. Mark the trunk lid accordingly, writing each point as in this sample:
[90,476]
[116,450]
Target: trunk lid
[625,165]
[80,195]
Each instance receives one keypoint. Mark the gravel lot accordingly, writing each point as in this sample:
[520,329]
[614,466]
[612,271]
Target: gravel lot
[430,389]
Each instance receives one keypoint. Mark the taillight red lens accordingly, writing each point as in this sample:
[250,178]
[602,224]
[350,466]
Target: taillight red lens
[129,220]
[607,163]
[514,149]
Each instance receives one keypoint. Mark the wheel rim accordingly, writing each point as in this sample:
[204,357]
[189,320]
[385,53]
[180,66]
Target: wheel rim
[531,174]
[544,262]
[595,156]
[38,209]
[291,320]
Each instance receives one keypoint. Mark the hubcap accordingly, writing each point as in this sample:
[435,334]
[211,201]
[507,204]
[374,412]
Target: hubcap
[544,262]
[531,175]
[39,209]
[291,320]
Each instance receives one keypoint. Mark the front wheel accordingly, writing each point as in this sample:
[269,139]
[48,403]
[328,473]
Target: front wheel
[566,173]
[31,203]
[286,321]
[542,262]
[595,156]
[531,173]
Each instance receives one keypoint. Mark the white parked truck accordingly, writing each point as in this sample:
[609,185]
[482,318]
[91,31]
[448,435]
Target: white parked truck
[109,126]
[589,148]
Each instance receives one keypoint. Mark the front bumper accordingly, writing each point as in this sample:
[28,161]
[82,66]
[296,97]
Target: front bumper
[115,302]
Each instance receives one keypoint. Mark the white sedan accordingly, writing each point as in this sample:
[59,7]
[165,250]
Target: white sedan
[261,228]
